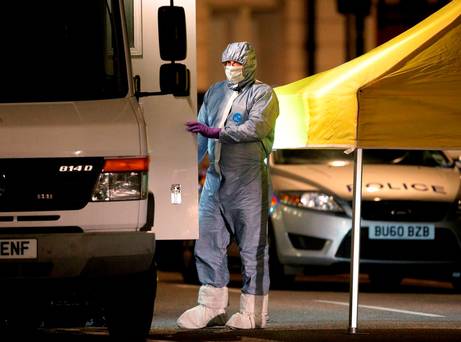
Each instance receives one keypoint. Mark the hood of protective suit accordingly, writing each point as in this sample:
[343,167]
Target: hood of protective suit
[245,54]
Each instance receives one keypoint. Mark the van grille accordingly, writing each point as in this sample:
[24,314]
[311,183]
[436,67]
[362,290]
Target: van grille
[44,184]
[40,230]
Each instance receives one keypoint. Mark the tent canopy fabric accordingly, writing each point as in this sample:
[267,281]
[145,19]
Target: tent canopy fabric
[405,93]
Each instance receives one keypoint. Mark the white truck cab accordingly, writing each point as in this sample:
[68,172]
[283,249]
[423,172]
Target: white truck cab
[93,168]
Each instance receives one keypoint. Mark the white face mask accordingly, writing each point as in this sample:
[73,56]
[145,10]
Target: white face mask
[234,74]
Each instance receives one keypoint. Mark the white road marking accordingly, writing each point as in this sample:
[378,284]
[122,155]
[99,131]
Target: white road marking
[186,286]
[382,308]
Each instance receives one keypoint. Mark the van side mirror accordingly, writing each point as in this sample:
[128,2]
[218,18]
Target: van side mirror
[174,77]
[172,33]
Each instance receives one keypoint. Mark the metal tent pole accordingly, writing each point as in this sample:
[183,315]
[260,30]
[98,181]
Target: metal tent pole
[355,241]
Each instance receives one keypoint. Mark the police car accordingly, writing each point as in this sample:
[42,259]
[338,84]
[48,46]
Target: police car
[410,224]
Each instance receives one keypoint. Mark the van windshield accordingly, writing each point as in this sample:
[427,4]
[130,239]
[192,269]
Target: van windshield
[61,50]
[430,158]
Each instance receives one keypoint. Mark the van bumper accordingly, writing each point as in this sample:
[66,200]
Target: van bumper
[81,255]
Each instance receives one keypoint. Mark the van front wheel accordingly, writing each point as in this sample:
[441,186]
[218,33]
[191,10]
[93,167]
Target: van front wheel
[130,305]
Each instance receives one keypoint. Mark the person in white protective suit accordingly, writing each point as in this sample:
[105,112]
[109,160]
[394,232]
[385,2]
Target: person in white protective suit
[236,127]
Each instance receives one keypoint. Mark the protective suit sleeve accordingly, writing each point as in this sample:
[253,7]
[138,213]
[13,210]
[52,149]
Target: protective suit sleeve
[202,142]
[260,123]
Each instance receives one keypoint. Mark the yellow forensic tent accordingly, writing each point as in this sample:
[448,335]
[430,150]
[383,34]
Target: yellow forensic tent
[405,93]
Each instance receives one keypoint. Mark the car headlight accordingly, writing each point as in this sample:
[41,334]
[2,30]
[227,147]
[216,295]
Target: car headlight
[122,180]
[311,200]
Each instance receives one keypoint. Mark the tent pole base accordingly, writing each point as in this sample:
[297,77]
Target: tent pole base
[352,331]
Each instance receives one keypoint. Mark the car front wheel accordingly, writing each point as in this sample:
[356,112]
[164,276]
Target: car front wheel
[381,280]
[188,268]
[279,279]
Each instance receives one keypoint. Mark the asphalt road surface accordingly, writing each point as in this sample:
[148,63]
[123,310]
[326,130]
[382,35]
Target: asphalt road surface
[314,309]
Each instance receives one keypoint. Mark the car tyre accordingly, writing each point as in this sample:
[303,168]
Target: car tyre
[278,278]
[188,268]
[129,305]
[384,281]
[456,282]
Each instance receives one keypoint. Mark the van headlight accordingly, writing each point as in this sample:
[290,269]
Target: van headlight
[310,200]
[122,179]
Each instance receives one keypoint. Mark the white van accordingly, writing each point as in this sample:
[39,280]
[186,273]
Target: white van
[84,189]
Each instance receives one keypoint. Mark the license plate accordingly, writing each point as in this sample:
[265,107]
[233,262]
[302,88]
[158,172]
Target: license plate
[401,231]
[18,248]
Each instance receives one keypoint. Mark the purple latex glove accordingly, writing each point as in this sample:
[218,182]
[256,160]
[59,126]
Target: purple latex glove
[198,127]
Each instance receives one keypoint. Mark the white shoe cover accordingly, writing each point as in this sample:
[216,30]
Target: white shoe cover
[211,310]
[253,312]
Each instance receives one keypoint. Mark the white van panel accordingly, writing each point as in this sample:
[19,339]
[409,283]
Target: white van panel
[173,150]
[70,129]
